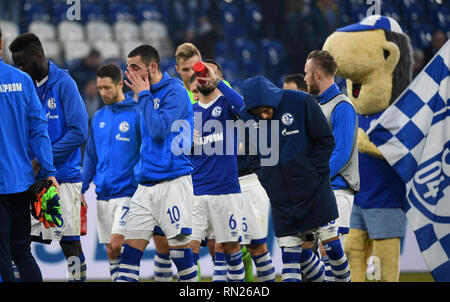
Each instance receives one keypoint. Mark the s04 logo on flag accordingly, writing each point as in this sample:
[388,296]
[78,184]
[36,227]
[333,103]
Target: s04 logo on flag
[413,135]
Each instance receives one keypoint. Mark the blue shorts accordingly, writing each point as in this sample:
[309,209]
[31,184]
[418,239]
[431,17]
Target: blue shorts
[379,223]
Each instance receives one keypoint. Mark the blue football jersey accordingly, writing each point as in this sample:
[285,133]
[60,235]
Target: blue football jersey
[215,149]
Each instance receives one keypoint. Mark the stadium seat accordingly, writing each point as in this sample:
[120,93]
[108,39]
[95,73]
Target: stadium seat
[126,30]
[253,19]
[168,65]
[119,12]
[52,50]
[147,11]
[10,30]
[107,49]
[44,30]
[76,50]
[98,30]
[128,46]
[153,30]
[35,11]
[230,68]
[221,49]
[245,50]
[91,11]
[231,23]
[70,31]
[273,56]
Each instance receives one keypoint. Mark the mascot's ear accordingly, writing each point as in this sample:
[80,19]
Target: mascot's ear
[391,54]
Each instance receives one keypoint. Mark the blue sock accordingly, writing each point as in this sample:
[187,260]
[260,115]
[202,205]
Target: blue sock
[113,269]
[76,268]
[162,268]
[220,267]
[264,268]
[235,267]
[338,260]
[311,266]
[291,271]
[329,277]
[129,264]
[183,259]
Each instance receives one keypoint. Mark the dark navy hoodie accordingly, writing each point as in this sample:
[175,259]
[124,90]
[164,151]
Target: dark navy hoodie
[299,184]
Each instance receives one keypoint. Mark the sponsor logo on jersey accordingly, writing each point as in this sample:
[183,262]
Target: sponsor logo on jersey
[286,133]
[11,87]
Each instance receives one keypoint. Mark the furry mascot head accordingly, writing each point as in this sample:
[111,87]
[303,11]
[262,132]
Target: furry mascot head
[375,57]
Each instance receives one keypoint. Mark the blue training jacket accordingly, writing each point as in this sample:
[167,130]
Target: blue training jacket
[167,131]
[67,123]
[112,151]
[23,132]
[299,184]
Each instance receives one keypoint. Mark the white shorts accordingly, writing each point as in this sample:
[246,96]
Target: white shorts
[344,199]
[294,240]
[111,217]
[219,213]
[167,205]
[70,199]
[255,209]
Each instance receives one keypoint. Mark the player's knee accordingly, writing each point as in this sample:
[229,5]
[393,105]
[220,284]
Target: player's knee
[231,247]
[71,248]
[179,241]
[113,249]
[257,249]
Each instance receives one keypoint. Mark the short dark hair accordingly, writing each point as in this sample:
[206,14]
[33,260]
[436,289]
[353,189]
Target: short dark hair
[110,70]
[219,67]
[148,54]
[298,79]
[27,42]
[0,33]
[324,60]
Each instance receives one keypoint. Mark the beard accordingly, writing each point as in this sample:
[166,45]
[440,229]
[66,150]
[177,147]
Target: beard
[206,90]
[313,88]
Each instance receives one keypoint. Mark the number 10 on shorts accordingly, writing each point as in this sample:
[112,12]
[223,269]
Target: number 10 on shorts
[174,214]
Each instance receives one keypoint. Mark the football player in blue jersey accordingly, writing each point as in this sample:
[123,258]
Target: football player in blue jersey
[111,155]
[68,130]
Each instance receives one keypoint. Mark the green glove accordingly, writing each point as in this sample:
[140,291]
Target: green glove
[51,207]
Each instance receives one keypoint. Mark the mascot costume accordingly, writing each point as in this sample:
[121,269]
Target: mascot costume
[375,57]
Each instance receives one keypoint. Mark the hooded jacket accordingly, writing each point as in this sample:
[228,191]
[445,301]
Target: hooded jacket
[23,132]
[298,185]
[112,151]
[67,123]
[167,131]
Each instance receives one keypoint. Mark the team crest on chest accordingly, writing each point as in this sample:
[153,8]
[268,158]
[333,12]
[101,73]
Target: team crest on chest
[51,103]
[217,111]
[287,119]
[156,103]
[124,127]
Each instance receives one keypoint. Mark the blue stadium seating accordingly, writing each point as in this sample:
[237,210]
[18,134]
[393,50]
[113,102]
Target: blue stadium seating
[242,49]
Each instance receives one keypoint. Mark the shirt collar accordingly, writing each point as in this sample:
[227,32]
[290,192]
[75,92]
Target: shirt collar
[328,94]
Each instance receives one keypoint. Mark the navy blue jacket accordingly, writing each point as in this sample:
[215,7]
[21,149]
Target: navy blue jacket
[299,184]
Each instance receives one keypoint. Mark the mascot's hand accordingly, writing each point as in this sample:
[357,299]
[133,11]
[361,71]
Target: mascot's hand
[366,146]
